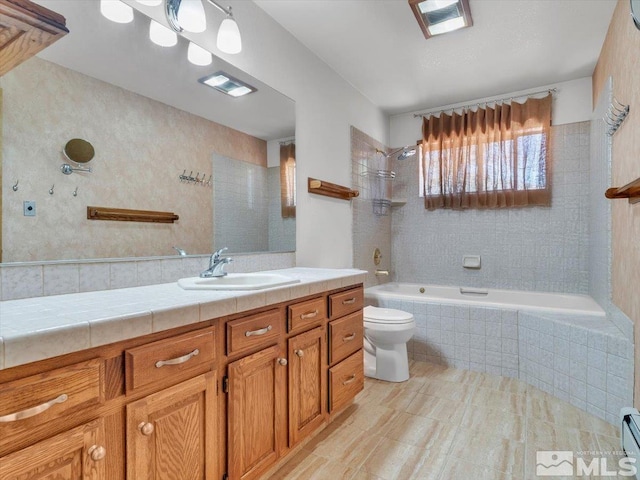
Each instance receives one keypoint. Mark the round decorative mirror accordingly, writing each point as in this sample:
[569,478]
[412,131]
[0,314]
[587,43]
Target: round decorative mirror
[78,150]
[635,12]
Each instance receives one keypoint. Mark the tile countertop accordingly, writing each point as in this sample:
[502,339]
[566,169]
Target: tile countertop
[33,329]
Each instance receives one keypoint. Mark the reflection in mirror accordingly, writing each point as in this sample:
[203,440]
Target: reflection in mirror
[149,121]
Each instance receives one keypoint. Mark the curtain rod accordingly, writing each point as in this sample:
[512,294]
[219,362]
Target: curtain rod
[496,100]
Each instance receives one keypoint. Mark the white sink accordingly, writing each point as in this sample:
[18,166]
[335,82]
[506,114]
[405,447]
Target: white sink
[237,281]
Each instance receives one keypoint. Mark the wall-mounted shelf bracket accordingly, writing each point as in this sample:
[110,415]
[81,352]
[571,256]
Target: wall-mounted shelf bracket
[327,189]
[630,191]
[124,215]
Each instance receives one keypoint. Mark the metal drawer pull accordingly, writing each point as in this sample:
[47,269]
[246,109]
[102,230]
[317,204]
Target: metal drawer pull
[179,360]
[349,301]
[300,353]
[262,331]
[309,314]
[349,380]
[348,338]
[97,452]
[33,411]
[283,362]
[146,428]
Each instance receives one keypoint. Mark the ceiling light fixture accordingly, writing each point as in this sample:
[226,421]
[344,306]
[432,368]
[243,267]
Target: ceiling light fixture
[225,83]
[150,3]
[161,35]
[188,15]
[198,55]
[116,11]
[436,17]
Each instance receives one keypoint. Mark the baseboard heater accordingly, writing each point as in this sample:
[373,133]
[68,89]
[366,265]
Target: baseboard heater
[630,432]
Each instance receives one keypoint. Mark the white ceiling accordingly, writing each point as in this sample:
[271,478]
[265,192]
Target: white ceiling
[378,47]
[123,55]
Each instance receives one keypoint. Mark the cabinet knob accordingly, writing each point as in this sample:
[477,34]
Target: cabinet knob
[300,353]
[97,452]
[282,361]
[146,428]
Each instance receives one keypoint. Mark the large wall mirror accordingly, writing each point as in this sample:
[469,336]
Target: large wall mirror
[151,124]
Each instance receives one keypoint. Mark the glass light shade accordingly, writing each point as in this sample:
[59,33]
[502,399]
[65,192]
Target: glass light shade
[217,80]
[198,55]
[150,3]
[240,91]
[116,11]
[229,40]
[191,16]
[447,26]
[433,5]
[161,35]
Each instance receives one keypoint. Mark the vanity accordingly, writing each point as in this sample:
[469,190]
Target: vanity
[225,385]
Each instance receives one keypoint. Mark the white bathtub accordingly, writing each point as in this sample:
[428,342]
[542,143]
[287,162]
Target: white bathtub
[509,299]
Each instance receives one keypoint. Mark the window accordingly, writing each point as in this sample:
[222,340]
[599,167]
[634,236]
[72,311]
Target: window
[491,158]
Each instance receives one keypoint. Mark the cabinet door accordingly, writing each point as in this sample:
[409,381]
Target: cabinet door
[256,412]
[171,434]
[77,454]
[307,383]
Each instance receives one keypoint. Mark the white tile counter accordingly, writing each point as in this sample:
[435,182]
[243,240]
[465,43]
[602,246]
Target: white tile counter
[33,329]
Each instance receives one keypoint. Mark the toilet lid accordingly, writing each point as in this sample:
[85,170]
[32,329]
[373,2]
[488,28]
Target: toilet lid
[386,315]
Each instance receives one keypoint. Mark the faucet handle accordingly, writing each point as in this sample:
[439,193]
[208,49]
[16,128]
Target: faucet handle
[216,255]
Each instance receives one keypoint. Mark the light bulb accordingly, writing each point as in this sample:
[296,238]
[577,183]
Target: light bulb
[116,11]
[161,35]
[150,3]
[229,40]
[198,55]
[191,16]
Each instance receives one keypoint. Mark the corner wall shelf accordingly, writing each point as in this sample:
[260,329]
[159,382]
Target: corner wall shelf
[630,191]
[327,189]
[124,215]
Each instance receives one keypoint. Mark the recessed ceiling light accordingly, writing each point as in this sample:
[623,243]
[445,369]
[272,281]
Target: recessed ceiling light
[225,83]
[436,17]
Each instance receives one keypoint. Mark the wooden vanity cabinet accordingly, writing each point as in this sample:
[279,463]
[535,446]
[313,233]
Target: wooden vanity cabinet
[25,29]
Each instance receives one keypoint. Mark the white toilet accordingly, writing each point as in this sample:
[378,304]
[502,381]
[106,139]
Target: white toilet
[386,333]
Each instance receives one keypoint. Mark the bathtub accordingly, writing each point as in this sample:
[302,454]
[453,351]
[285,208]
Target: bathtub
[504,299]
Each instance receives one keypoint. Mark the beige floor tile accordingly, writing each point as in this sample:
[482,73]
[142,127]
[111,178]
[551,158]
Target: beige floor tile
[347,445]
[362,474]
[496,453]
[507,402]
[457,469]
[307,466]
[394,460]
[370,416]
[444,389]
[397,398]
[493,422]
[503,384]
[422,432]
[436,408]
[449,374]
[553,410]
[550,436]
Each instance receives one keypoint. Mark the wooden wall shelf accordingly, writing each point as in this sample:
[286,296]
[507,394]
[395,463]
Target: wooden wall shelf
[124,215]
[328,189]
[630,191]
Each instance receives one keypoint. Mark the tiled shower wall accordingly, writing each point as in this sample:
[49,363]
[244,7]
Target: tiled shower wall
[536,248]
[370,231]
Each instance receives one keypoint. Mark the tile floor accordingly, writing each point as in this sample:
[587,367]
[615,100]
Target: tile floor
[446,423]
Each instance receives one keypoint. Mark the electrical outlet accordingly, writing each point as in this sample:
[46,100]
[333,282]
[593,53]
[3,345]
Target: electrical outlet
[29,208]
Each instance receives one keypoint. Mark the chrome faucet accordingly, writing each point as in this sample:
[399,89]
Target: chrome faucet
[216,265]
[180,251]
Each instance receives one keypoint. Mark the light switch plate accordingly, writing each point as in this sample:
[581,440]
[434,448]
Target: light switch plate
[29,208]
[471,261]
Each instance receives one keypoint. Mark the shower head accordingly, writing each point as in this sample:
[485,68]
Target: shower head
[405,152]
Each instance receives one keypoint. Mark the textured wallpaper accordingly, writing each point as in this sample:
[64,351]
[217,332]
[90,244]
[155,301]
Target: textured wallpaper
[619,59]
[141,145]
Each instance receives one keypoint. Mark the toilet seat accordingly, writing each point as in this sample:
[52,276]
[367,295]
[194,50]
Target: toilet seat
[386,316]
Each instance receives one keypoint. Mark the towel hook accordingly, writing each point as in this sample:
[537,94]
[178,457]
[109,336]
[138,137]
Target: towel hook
[51,189]
[75,192]
[15,187]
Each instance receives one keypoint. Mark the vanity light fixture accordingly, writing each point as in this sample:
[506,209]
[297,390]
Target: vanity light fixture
[161,35]
[225,83]
[436,17]
[198,55]
[116,11]
[150,3]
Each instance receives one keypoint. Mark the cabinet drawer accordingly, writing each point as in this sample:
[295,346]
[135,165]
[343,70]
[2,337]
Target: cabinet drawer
[254,331]
[166,360]
[346,302]
[305,314]
[71,392]
[346,379]
[345,336]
